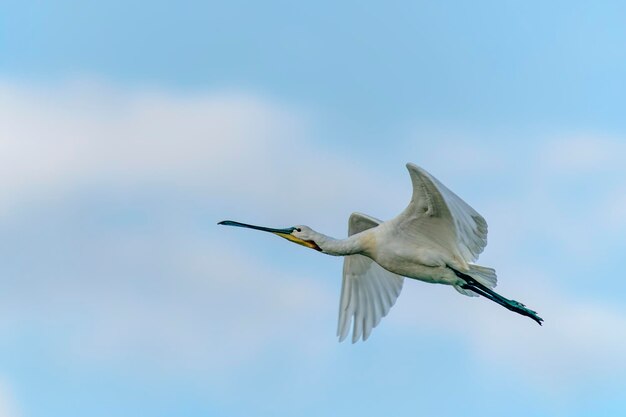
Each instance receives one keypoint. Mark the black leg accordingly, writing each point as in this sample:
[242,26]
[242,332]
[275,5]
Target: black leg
[480,289]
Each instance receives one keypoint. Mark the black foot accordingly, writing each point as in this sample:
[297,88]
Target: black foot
[478,288]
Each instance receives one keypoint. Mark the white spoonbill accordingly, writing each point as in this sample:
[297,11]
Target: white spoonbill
[435,239]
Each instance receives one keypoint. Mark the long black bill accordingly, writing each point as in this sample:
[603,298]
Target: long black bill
[264,229]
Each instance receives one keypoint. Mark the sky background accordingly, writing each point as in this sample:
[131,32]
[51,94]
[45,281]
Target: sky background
[128,129]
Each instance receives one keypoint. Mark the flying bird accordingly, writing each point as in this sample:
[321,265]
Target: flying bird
[435,239]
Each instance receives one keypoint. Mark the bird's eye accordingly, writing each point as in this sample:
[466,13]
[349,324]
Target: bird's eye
[298,229]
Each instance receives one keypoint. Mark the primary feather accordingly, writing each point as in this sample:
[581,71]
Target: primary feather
[368,291]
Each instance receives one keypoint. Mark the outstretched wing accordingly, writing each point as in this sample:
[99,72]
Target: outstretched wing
[437,214]
[368,290]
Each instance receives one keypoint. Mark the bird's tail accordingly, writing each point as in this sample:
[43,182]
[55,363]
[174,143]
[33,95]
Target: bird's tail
[482,274]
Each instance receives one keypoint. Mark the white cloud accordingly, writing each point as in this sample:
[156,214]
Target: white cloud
[239,149]
[581,340]
[71,137]
[217,315]
[212,311]
[8,404]
[583,154]
[562,196]
[614,218]
[253,160]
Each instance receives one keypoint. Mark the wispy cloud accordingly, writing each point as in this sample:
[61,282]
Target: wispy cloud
[580,342]
[8,404]
[232,146]
[212,312]
[78,135]
[158,289]
[196,304]
[554,228]
[583,154]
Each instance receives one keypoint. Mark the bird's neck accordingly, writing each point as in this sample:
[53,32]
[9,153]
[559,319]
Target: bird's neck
[354,244]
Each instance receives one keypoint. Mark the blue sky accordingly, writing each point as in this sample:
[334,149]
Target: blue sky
[130,128]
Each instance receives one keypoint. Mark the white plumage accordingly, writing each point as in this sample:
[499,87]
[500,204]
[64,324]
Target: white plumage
[435,239]
[368,290]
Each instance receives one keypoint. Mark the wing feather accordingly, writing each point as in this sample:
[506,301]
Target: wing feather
[440,215]
[368,290]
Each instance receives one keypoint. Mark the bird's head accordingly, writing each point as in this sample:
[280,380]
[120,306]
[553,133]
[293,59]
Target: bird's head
[302,235]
